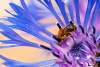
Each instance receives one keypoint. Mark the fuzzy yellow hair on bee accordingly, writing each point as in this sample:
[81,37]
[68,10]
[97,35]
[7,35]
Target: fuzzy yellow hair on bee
[65,32]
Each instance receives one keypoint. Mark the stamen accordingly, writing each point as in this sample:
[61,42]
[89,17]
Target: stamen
[88,44]
[77,58]
[67,60]
[94,30]
[82,29]
[55,55]
[94,39]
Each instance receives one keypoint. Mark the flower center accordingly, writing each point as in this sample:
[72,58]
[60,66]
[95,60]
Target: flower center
[74,46]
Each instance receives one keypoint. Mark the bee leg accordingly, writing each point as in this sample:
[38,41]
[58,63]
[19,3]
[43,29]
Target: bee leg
[56,38]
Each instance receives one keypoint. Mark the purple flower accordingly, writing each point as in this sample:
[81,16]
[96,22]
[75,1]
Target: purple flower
[77,41]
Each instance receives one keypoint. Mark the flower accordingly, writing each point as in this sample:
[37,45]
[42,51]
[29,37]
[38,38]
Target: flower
[76,43]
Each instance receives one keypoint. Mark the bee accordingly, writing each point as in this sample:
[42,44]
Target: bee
[65,32]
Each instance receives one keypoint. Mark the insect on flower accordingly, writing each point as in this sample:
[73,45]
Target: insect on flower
[75,45]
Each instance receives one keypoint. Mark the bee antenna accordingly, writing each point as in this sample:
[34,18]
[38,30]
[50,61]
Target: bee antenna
[71,22]
[58,25]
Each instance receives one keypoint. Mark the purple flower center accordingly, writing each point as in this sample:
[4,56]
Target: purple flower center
[78,48]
